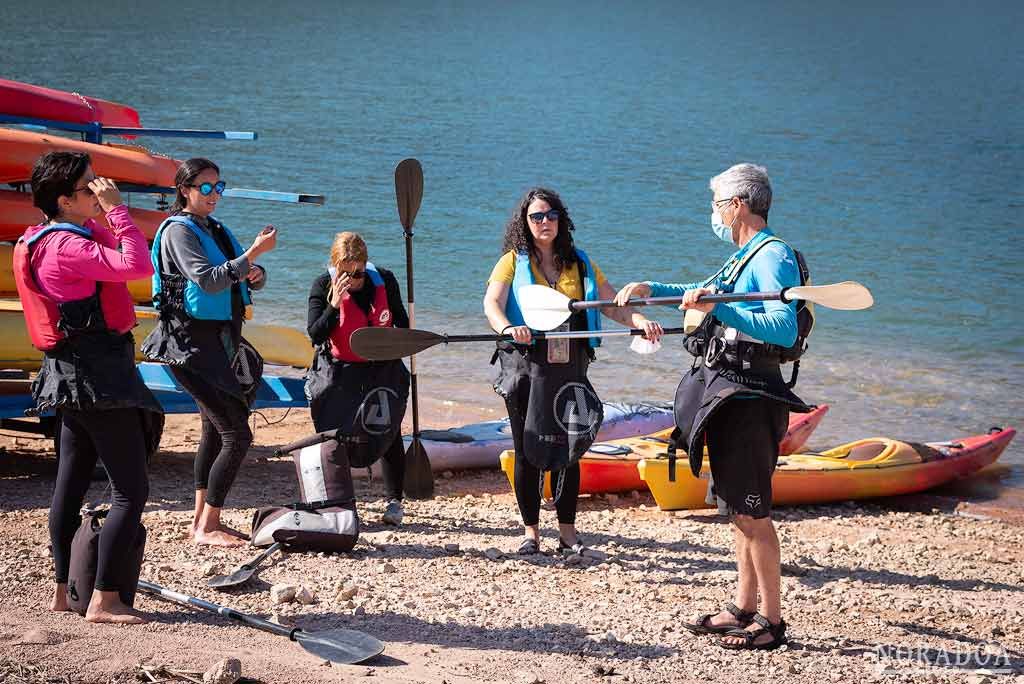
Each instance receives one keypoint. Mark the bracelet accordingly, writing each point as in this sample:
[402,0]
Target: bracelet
[506,328]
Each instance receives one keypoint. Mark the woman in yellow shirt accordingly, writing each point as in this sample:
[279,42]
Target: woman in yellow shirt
[552,407]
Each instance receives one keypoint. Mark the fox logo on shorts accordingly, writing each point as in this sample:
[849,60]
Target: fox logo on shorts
[753,501]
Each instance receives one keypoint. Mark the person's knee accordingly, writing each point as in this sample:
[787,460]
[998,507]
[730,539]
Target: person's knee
[751,527]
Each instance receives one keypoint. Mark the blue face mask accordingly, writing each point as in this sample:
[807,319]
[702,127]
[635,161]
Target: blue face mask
[722,231]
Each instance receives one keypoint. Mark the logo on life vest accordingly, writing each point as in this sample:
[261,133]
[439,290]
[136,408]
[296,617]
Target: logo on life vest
[577,409]
[385,316]
[375,412]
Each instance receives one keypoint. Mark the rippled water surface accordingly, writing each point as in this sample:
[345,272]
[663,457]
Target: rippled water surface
[894,137]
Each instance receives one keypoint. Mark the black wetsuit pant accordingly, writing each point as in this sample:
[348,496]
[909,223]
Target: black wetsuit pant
[529,483]
[225,438]
[393,465]
[116,438]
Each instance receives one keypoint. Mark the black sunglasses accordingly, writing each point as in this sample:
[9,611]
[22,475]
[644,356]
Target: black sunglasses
[353,274]
[86,189]
[538,216]
[206,188]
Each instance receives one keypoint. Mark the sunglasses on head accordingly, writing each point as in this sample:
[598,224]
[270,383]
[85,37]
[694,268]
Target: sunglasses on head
[538,216]
[206,188]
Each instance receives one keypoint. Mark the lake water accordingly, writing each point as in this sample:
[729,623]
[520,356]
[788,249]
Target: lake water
[894,136]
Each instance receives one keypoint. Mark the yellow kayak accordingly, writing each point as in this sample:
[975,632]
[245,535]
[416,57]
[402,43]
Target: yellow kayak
[865,469]
[277,344]
[142,290]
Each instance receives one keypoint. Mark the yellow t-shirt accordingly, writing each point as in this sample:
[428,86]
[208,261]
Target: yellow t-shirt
[569,282]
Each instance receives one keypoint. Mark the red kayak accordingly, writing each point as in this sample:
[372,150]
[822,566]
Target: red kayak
[24,99]
[17,213]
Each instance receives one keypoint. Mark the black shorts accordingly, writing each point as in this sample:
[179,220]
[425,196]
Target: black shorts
[743,447]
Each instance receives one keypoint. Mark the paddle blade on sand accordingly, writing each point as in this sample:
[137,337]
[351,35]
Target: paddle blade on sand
[345,646]
[419,476]
[383,344]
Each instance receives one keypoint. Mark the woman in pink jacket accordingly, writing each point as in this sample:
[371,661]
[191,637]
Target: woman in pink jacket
[72,279]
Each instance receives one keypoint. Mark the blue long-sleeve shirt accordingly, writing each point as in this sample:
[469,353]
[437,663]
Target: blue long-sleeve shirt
[773,268]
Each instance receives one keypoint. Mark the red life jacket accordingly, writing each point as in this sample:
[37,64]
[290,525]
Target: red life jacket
[353,318]
[42,314]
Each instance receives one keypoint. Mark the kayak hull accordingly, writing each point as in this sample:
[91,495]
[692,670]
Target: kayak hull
[479,445]
[865,469]
[17,213]
[602,472]
[37,102]
[122,163]
[277,344]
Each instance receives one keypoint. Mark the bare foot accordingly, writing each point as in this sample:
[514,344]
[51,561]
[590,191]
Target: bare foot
[232,531]
[216,537]
[117,614]
[59,602]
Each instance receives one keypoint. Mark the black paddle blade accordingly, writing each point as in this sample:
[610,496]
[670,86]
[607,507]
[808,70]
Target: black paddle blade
[242,574]
[408,191]
[382,344]
[345,646]
[419,477]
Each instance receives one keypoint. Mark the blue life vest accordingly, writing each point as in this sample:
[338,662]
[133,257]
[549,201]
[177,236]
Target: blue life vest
[524,276]
[211,306]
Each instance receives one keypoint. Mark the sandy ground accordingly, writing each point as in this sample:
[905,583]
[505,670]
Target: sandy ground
[908,590]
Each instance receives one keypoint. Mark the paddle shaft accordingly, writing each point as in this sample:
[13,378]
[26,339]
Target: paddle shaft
[718,298]
[412,324]
[231,613]
[571,335]
[254,563]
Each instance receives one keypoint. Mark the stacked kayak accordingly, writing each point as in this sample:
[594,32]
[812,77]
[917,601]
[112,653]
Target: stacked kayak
[124,163]
[17,213]
[277,344]
[479,445]
[37,102]
[611,466]
[864,469]
[142,290]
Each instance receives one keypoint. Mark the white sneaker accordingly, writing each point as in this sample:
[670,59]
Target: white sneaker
[393,513]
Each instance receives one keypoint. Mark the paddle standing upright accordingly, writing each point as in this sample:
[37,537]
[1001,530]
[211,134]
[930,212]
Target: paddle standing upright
[419,478]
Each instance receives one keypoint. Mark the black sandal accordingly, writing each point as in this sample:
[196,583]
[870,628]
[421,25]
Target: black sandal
[778,633]
[743,617]
[577,548]
[529,547]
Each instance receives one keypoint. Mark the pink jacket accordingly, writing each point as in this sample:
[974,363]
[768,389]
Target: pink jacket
[67,265]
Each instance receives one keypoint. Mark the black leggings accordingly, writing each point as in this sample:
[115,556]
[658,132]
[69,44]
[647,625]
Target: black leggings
[225,437]
[528,482]
[116,438]
[393,465]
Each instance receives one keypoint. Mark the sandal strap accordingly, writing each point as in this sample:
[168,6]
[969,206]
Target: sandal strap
[775,630]
[749,635]
[737,612]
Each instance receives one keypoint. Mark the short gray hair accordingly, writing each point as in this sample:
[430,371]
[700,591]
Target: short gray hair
[750,183]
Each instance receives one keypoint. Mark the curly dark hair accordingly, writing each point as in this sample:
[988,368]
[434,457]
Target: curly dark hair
[518,237]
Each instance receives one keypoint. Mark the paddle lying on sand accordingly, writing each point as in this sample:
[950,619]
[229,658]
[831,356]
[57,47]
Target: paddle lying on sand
[545,308]
[382,344]
[243,573]
[346,646]
[419,478]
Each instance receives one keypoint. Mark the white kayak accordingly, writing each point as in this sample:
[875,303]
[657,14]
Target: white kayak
[479,445]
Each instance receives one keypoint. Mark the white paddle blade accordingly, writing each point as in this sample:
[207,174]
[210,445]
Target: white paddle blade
[543,308]
[846,296]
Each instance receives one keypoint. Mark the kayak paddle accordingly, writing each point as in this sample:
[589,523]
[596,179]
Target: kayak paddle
[545,308]
[381,344]
[345,646]
[242,574]
[419,477]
